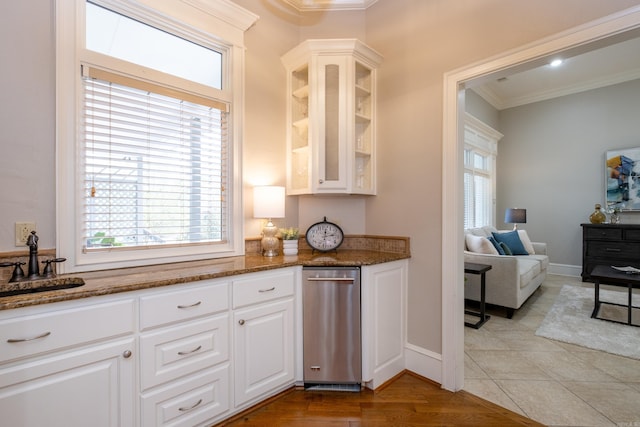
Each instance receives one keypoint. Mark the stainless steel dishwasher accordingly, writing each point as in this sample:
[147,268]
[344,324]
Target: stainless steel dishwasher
[331,321]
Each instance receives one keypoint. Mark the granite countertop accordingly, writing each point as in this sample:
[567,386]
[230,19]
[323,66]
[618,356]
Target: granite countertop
[131,279]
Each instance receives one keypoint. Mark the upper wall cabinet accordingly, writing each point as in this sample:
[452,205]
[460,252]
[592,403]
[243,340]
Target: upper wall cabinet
[331,117]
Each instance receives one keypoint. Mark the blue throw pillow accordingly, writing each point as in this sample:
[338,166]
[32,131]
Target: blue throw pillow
[496,245]
[512,240]
[505,248]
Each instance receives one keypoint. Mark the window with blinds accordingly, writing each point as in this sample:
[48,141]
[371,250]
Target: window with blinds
[480,152]
[154,165]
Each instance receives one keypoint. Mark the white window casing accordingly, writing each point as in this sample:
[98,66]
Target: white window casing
[480,151]
[193,20]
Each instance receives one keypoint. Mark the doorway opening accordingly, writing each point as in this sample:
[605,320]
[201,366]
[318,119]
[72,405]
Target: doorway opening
[609,30]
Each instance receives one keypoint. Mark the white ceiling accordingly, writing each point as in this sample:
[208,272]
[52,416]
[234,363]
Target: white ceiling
[609,65]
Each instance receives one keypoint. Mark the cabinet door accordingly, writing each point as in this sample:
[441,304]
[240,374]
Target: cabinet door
[383,321]
[332,128]
[264,349]
[87,387]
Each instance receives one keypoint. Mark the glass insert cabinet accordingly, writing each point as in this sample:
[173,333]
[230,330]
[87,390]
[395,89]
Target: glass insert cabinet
[331,117]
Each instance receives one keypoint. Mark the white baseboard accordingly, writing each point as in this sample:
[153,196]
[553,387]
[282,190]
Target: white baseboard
[423,362]
[565,269]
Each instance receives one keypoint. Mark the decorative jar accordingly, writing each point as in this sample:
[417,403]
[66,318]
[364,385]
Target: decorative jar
[597,217]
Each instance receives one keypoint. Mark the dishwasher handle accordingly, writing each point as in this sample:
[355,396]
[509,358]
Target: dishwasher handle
[331,279]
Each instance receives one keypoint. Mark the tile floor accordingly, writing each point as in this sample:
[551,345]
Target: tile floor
[554,383]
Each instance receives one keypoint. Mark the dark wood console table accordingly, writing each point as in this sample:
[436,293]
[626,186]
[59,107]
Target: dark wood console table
[480,269]
[609,244]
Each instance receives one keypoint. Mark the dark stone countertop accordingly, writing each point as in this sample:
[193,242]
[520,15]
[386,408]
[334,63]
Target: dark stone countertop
[131,279]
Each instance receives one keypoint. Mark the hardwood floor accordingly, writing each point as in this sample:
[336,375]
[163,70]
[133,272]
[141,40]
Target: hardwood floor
[408,400]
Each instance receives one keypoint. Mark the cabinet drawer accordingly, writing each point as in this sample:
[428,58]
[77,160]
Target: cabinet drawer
[261,287]
[189,401]
[632,234]
[183,349]
[174,306]
[34,334]
[602,233]
[613,249]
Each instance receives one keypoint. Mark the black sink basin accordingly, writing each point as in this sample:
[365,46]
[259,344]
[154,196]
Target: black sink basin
[41,285]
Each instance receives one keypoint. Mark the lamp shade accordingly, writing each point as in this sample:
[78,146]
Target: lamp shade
[268,201]
[515,216]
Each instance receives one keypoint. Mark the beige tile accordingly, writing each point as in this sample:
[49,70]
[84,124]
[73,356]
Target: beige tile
[489,390]
[549,403]
[616,401]
[622,368]
[565,366]
[502,364]
[472,370]
[483,340]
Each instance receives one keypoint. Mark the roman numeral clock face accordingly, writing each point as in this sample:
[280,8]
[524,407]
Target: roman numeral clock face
[324,236]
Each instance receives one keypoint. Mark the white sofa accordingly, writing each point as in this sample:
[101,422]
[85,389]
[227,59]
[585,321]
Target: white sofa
[512,278]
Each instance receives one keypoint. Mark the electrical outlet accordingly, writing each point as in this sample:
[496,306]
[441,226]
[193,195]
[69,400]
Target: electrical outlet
[23,229]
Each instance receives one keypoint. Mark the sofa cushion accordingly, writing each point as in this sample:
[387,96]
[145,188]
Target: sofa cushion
[505,249]
[542,259]
[528,269]
[526,242]
[479,244]
[512,240]
[496,245]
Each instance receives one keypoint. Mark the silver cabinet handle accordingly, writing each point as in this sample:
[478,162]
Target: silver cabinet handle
[13,340]
[241,322]
[126,354]
[184,353]
[192,407]
[267,290]
[191,305]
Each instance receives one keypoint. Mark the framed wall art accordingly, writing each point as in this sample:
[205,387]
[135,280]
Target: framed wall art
[622,179]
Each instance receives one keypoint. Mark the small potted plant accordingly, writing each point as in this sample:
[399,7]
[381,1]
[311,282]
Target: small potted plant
[290,238]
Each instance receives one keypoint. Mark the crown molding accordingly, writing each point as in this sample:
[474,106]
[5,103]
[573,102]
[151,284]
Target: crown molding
[323,5]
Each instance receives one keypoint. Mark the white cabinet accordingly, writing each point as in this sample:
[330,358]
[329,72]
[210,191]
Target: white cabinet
[384,293]
[264,349]
[68,367]
[331,117]
[184,354]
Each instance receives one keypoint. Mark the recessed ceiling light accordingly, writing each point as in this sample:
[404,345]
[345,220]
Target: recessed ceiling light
[556,62]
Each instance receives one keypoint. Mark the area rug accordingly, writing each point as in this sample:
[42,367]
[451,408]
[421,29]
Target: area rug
[569,320]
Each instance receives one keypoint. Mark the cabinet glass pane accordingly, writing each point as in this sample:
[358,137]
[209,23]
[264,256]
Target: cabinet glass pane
[332,84]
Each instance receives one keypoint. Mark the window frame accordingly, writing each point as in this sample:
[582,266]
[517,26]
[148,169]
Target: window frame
[230,22]
[482,139]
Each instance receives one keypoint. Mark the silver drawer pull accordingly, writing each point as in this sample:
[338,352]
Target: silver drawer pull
[184,353]
[12,340]
[192,407]
[267,290]
[195,304]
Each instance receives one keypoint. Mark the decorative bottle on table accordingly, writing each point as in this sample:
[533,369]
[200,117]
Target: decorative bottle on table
[597,217]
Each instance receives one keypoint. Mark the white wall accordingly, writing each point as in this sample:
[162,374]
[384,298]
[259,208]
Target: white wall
[551,162]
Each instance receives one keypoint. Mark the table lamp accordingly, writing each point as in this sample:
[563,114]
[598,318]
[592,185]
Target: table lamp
[268,203]
[515,216]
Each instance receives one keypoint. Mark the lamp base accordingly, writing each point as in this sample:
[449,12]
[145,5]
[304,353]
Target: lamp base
[270,242]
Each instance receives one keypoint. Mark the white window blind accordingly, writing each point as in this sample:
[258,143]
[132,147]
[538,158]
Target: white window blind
[154,163]
[480,151]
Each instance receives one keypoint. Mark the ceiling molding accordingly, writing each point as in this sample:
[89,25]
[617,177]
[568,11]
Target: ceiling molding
[323,5]
[500,104]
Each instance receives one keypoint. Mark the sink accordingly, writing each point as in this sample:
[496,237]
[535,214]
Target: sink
[40,285]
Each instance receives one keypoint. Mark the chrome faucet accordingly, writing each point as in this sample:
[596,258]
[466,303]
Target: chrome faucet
[34,268]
